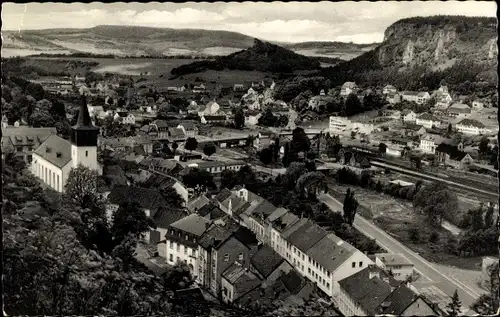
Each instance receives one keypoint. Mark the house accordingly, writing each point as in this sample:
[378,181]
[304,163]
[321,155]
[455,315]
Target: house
[199,89]
[348,88]
[212,212]
[477,105]
[318,101]
[239,87]
[213,119]
[94,111]
[212,108]
[393,114]
[231,204]
[459,110]
[152,165]
[190,129]
[372,292]
[396,263]
[247,195]
[412,130]
[268,265]
[197,203]
[454,156]
[428,121]
[163,218]
[472,127]
[221,247]
[415,96]
[252,118]
[160,129]
[148,200]
[389,90]
[254,218]
[124,117]
[162,181]
[198,304]
[181,241]
[393,98]
[443,97]
[254,106]
[236,282]
[55,157]
[408,115]
[339,125]
[22,140]
[216,167]
[429,143]
[176,135]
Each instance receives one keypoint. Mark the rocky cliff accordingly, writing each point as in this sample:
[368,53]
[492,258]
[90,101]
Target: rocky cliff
[438,41]
[418,52]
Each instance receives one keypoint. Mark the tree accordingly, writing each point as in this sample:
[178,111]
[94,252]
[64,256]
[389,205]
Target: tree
[209,149]
[382,148]
[130,219]
[178,278]
[35,90]
[239,118]
[311,183]
[434,237]
[228,179]
[82,185]
[455,306]
[483,146]
[414,235]
[450,129]
[191,144]
[266,156]
[174,147]
[199,179]
[352,106]
[477,219]
[488,217]
[350,207]
[435,200]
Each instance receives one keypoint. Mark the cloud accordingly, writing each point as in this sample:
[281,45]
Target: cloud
[277,21]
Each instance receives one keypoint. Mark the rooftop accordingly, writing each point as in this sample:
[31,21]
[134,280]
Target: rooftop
[331,252]
[266,260]
[241,278]
[393,259]
[306,236]
[471,122]
[197,203]
[428,117]
[146,198]
[194,224]
[397,302]
[56,150]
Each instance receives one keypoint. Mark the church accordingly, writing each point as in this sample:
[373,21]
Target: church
[54,158]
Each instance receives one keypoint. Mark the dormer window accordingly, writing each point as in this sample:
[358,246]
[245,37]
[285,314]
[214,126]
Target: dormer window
[226,257]
[240,257]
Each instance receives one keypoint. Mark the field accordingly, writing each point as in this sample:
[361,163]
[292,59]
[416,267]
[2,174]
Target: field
[397,217]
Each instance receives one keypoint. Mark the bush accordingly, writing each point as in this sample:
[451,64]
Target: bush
[434,237]
[414,235]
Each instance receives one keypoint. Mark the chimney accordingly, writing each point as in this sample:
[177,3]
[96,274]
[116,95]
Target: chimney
[58,154]
[48,149]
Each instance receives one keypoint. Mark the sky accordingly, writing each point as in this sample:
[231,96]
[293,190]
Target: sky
[358,22]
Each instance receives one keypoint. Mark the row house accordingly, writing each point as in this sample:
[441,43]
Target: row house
[372,292]
[217,167]
[181,241]
[415,96]
[219,248]
[472,127]
[321,257]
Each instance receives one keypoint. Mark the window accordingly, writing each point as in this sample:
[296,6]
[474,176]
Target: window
[353,264]
[226,257]
[309,270]
[178,247]
[186,250]
[327,285]
[171,245]
[178,259]
[328,273]
[240,256]
[86,153]
[187,238]
[302,257]
[19,148]
[360,263]
[171,259]
[57,181]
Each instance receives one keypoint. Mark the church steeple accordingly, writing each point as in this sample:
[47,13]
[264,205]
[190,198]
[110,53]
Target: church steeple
[84,133]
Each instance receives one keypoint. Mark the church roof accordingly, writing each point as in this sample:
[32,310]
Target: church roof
[84,122]
[56,150]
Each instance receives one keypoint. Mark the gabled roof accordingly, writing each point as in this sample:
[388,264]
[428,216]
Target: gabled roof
[223,195]
[159,181]
[165,216]
[194,224]
[429,117]
[242,280]
[285,221]
[398,301]
[293,281]
[453,151]
[266,261]
[331,252]
[263,209]
[146,198]
[198,203]
[406,112]
[211,212]
[188,125]
[459,108]
[55,150]
[471,122]
[367,292]
[176,134]
[214,236]
[413,127]
[215,117]
[292,228]
[306,236]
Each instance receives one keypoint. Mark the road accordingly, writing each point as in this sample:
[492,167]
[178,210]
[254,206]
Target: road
[426,176]
[446,284]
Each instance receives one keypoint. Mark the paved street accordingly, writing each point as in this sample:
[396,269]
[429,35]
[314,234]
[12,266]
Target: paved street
[444,283]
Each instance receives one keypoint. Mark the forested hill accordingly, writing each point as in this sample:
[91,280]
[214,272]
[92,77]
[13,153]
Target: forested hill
[262,56]
[419,52]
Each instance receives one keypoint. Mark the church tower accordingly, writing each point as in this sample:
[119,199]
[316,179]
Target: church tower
[84,139]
